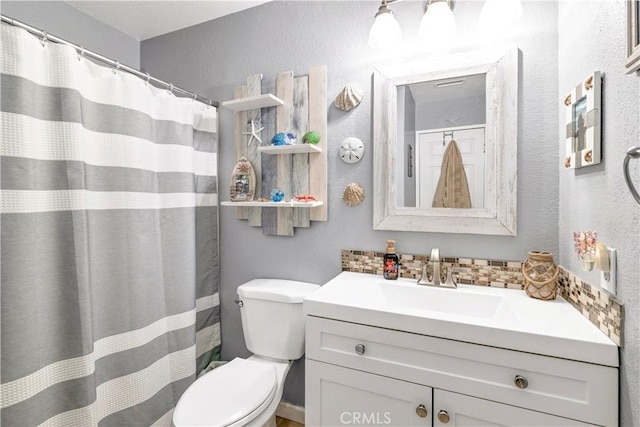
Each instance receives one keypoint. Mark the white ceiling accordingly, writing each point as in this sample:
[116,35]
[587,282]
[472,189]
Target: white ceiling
[150,18]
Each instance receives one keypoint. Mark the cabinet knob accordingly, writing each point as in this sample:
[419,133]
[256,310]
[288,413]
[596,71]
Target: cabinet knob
[521,382]
[421,410]
[443,416]
[360,349]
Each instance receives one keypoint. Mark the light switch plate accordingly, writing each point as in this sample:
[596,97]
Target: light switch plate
[608,279]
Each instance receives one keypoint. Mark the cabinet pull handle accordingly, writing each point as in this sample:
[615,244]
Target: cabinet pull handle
[421,410]
[443,416]
[360,349]
[521,382]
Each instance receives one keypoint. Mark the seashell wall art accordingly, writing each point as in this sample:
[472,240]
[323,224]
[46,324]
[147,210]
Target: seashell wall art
[353,194]
[348,98]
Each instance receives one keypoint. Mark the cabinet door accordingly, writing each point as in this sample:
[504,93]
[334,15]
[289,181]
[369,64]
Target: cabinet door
[337,396]
[453,409]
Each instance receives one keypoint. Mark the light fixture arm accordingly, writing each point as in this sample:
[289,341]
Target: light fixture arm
[384,7]
[450,3]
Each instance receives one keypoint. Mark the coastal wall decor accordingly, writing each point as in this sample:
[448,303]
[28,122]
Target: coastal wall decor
[583,116]
[348,98]
[280,127]
[633,36]
[353,194]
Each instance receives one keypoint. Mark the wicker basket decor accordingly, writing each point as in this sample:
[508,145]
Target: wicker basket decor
[540,275]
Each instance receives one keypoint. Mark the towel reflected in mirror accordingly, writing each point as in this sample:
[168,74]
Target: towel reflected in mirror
[453,189]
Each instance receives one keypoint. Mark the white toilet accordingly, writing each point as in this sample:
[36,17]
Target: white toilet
[246,392]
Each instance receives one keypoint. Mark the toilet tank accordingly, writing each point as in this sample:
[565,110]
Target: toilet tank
[272,318]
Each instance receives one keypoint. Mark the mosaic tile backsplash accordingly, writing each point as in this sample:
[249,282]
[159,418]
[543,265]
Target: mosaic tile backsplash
[602,309]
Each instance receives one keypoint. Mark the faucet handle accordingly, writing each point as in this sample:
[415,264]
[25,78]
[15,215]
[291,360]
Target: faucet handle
[449,282]
[424,277]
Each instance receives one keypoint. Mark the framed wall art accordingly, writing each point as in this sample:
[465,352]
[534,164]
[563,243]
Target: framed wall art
[633,36]
[583,115]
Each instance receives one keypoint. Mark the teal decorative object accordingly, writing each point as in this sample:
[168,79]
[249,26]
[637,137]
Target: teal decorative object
[311,137]
[277,195]
[279,139]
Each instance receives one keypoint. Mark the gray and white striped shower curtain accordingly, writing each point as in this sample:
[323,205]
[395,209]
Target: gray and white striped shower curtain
[109,295]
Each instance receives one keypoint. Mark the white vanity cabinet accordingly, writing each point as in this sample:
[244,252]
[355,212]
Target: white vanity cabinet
[341,396]
[385,377]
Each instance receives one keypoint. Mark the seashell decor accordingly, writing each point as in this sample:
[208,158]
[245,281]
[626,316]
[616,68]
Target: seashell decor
[348,98]
[353,194]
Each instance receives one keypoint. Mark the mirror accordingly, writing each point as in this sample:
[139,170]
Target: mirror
[445,144]
[432,114]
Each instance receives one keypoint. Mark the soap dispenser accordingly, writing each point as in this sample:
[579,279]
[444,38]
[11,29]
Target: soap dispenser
[390,268]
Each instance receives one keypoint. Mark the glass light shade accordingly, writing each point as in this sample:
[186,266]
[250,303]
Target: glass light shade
[385,31]
[438,25]
[498,17]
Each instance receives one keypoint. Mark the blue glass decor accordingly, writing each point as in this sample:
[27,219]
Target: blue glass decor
[277,195]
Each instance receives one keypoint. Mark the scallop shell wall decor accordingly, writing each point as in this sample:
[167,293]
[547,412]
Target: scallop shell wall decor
[353,194]
[348,98]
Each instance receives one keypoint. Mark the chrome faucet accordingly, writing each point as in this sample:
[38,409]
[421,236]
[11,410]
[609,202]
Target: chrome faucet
[436,278]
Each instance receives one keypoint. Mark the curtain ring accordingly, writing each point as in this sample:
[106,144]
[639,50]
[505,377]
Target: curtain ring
[146,81]
[45,38]
[80,53]
[195,96]
[171,88]
[116,67]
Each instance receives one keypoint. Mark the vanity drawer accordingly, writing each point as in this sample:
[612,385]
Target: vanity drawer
[567,388]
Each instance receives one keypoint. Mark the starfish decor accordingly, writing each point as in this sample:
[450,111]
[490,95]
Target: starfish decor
[453,120]
[255,133]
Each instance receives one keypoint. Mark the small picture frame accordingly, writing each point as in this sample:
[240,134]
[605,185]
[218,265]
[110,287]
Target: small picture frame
[583,115]
[243,181]
[633,36]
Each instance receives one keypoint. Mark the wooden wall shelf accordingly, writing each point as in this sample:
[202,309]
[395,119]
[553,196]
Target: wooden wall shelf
[290,149]
[283,103]
[253,102]
[312,204]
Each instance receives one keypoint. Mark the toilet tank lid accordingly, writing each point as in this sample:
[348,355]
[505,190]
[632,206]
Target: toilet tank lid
[288,291]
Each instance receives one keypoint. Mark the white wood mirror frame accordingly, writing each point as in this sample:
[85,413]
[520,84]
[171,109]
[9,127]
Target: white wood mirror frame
[498,216]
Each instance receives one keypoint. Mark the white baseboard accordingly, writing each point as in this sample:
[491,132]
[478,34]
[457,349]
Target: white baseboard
[290,412]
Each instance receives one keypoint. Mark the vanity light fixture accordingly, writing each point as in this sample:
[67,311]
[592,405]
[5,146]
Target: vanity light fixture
[438,25]
[385,31]
[498,17]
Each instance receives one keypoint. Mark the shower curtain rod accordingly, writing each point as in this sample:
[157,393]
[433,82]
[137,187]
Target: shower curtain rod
[116,64]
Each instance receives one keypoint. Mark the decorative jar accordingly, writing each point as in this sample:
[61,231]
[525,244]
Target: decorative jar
[540,275]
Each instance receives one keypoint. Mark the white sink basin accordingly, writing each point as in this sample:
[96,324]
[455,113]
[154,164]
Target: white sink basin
[457,302]
[495,317]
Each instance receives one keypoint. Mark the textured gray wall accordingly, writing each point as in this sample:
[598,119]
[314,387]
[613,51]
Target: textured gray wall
[592,37]
[60,19]
[213,57]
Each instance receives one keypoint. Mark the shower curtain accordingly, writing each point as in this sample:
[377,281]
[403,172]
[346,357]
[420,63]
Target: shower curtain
[109,249]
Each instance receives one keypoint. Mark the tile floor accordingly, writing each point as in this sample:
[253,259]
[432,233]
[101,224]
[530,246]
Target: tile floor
[283,422]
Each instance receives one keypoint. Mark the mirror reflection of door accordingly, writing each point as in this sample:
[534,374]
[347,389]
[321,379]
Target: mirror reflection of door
[425,110]
[430,149]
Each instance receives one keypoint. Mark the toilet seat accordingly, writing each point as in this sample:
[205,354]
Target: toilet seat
[230,395]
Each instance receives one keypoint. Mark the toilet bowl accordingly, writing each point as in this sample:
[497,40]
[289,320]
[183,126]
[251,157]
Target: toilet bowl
[243,392]
[246,392]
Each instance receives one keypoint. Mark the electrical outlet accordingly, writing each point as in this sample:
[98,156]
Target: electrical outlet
[608,280]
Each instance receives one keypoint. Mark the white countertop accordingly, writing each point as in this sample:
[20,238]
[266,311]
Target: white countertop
[502,318]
